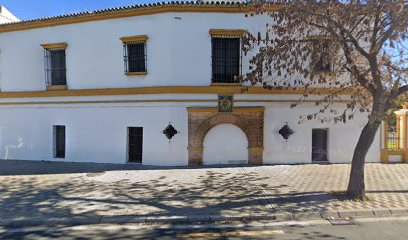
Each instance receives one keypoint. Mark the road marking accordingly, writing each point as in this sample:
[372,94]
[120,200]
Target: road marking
[232,234]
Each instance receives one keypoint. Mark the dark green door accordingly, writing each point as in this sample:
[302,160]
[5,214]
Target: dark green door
[319,145]
[135,144]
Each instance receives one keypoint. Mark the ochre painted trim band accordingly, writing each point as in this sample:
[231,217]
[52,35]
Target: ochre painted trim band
[57,87]
[227,32]
[285,101]
[54,45]
[220,90]
[235,109]
[111,102]
[136,73]
[140,38]
[123,14]
[157,101]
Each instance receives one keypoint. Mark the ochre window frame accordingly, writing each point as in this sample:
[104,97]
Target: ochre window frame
[135,39]
[228,33]
[50,47]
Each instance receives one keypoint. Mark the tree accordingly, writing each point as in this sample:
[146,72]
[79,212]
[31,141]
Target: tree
[353,49]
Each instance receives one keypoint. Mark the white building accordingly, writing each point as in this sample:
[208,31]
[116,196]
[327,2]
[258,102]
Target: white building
[6,16]
[102,86]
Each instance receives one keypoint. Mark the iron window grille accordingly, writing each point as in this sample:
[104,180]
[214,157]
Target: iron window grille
[135,57]
[226,59]
[59,141]
[55,67]
[323,63]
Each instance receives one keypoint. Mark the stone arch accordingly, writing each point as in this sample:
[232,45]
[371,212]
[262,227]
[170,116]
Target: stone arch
[249,120]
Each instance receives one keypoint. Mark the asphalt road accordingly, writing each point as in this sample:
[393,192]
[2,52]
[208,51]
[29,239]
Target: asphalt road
[373,229]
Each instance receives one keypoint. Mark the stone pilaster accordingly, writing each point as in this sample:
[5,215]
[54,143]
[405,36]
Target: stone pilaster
[255,155]
[195,156]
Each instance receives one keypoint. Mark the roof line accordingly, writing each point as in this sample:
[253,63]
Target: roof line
[129,11]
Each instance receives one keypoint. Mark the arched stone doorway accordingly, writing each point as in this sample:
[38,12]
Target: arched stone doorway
[225,144]
[249,119]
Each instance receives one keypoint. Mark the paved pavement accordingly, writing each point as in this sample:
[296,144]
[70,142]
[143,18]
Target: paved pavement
[35,193]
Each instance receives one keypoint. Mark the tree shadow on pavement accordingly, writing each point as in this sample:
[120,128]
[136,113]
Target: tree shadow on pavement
[293,233]
[40,198]
[21,167]
[134,193]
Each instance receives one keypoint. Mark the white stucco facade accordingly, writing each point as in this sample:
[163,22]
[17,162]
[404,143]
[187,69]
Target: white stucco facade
[178,55]
[6,16]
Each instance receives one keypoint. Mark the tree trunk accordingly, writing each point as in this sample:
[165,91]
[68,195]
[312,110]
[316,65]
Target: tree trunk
[356,187]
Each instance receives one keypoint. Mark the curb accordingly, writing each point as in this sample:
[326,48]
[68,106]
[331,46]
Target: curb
[137,219]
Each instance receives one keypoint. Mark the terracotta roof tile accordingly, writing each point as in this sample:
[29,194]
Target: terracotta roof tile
[140,7]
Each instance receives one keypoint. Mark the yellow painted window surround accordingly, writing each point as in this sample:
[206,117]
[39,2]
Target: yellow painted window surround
[55,47]
[136,73]
[139,38]
[57,87]
[51,46]
[127,41]
[227,32]
[224,34]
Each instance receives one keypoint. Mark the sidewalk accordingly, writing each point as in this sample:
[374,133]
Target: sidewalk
[106,194]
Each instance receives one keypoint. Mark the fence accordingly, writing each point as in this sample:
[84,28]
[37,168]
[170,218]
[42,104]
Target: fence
[393,141]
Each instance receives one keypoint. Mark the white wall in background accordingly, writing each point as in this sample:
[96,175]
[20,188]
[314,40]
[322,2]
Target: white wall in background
[225,144]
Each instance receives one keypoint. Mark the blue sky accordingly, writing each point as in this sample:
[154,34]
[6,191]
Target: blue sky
[28,9]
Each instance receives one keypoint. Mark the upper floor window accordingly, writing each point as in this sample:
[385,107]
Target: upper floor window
[226,55]
[55,66]
[134,50]
[321,56]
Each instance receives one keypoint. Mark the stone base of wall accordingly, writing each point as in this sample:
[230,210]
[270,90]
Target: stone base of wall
[249,119]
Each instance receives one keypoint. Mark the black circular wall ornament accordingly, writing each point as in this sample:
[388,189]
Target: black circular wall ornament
[170,131]
[286,132]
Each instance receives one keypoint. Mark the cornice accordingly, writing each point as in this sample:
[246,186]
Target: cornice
[220,90]
[130,11]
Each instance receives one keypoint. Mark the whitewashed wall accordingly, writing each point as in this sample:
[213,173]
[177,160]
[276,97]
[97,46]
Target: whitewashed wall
[97,133]
[6,16]
[93,133]
[179,54]
[179,51]
[342,137]
[225,144]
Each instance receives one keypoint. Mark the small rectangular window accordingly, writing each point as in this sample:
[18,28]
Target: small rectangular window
[135,144]
[55,67]
[226,56]
[59,141]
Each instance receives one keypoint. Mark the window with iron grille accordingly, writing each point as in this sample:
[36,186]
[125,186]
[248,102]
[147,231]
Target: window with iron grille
[59,141]
[323,63]
[55,67]
[226,59]
[135,57]
[135,144]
